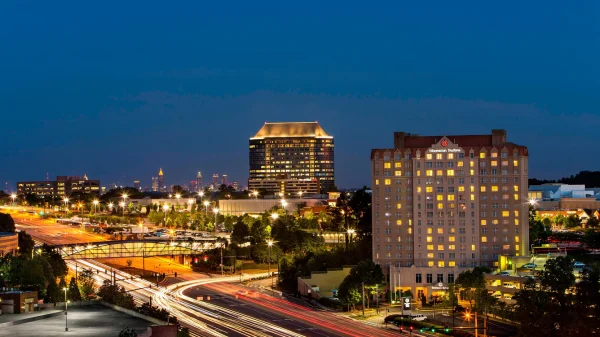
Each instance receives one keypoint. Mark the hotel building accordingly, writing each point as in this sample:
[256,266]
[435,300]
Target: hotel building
[443,204]
[290,158]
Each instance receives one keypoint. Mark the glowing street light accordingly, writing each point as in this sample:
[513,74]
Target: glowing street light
[206,203]
[13,196]
[532,202]
[255,194]
[110,206]
[66,310]
[122,204]
[274,216]
[216,211]
[66,200]
[300,194]
[95,202]
[270,243]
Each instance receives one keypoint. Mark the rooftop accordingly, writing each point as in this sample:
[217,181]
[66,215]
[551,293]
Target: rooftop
[291,129]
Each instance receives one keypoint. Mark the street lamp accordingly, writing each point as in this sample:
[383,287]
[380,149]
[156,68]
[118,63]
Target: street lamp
[270,243]
[284,204]
[110,206]
[66,200]
[122,204]
[216,210]
[191,202]
[165,208]
[177,196]
[66,311]
[300,194]
[206,203]
[95,202]
[274,216]
[350,233]
[13,196]
[124,199]
[255,194]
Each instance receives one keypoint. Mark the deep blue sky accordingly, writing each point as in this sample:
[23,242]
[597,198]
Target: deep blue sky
[119,89]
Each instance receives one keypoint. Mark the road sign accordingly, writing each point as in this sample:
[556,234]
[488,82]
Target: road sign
[406,304]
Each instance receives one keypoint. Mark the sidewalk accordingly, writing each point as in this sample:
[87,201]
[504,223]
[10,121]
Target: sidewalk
[7,320]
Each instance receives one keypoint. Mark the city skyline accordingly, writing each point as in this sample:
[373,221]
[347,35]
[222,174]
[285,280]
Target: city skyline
[100,103]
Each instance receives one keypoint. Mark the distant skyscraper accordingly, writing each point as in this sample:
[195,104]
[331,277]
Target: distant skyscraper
[161,181]
[290,158]
[215,180]
[224,179]
[236,186]
[199,185]
[155,186]
[136,185]
[193,186]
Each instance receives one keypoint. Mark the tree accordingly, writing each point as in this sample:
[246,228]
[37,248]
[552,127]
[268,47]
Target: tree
[74,293]
[572,221]
[52,292]
[87,284]
[129,262]
[62,284]
[7,224]
[26,243]
[349,294]
[240,233]
[593,222]
[116,295]
[366,273]
[58,265]
[128,332]
[28,273]
[471,285]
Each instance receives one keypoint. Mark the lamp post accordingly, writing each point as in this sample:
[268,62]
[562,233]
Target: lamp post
[284,205]
[300,194]
[110,206]
[165,208]
[350,232]
[66,200]
[191,202]
[66,311]
[124,202]
[274,216]
[255,194]
[95,202]
[177,196]
[206,203]
[13,196]
[270,243]
[216,211]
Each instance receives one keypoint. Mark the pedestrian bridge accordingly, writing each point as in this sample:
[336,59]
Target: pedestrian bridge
[134,248]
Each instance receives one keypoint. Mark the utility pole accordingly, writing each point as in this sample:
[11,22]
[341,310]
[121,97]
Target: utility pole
[377,298]
[476,330]
[221,252]
[363,299]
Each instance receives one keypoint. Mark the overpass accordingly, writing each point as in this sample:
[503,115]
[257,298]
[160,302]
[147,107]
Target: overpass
[134,248]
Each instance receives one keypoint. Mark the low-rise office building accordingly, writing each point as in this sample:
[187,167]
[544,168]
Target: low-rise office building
[323,283]
[63,186]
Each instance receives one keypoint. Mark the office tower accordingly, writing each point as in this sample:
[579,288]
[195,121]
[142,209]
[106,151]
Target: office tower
[291,157]
[448,203]
[136,185]
[155,185]
[161,181]
[199,181]
[62,186]
[224,179]
[236,186]
[193,186]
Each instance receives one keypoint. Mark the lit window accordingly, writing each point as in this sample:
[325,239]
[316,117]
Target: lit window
[516,213]
[439,172]
[397,173]
[515,162]
[450,173]
[516,222]
[439,156]
[482,188]
[428,189]
[472,172]
[430,255]
[450,155]
[516,188]
[451,264]
[516,197]
[471,164]
[387,165]
[460,164]
[516,239]
[440,231]
[398,222]
[429,230]
[440,205]
[472,197]
[398,206]
[494,188]
[483,222]
[451,197]
[440,247]
[482,155]
[451,238]
[428,156]
[429,247]
[516,247]
[440,197]
[472,247]
[461,188]
[418,173]
[376,181]
[388,181]
[430,263]
[397,165]
[409,231]
[484,239]
[418,189]
[494,163]
[505,214]
[441,264]
[429,239]
[429,173]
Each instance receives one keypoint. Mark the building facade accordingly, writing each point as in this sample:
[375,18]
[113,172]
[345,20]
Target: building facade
[9,243]
[155,185]
[449,201]
[284,153]
[61,187]
[161,181]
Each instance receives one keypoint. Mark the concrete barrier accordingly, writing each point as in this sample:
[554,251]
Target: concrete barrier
[31,319]
[134,313]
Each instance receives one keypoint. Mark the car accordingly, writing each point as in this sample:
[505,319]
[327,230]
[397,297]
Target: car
[418,317]
[529,266]
[460,308]
[504,273]
[578,265]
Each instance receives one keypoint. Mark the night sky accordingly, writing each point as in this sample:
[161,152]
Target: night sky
[118,89]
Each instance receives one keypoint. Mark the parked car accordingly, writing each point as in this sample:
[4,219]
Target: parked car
[419,317]
[578,264]
[504,273]
[529,266]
